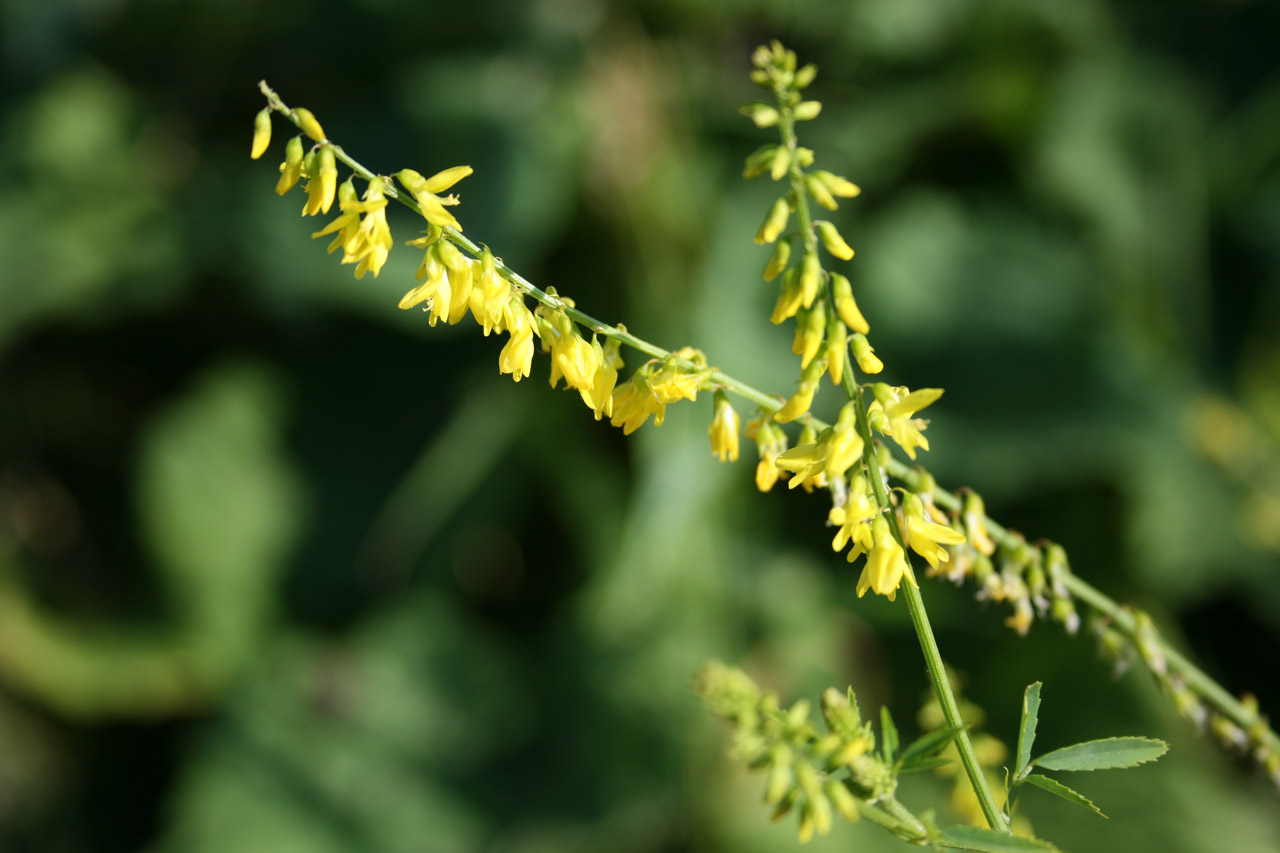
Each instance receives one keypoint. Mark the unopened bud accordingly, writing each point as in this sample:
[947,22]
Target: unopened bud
[308,123]
[261,132]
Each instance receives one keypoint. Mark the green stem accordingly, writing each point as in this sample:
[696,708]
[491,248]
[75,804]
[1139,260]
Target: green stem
[915,602]
[1121,616]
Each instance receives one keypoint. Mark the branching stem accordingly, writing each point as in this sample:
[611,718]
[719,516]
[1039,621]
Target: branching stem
[1120,615]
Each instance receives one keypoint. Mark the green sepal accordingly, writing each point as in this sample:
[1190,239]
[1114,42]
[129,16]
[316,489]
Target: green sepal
[1110,753]
[1058,789]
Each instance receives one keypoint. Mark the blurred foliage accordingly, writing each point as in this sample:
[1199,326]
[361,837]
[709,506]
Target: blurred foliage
[281,568]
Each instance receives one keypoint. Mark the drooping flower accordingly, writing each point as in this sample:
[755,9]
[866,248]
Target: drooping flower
[322,186]
[436,289]
[367,243]
[853,519]
[426,191]
[516,357]
[925,537]
[489,293]
[807,460]
[771,442]
[599,397]
[886,562]
[724,429]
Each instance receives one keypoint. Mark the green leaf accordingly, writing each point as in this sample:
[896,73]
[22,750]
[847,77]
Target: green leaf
[888,736]
[1027,728]
[1106,754]
[926,745]
[920,765]
[981,838]
[1060,790]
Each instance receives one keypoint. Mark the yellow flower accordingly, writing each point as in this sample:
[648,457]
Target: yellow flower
[516,357]
[426,192]
[886,562]
[322,186]
[261,133]
[853,519]
[599,396]
[348,222]
[367,243]
[771,442]
[724,429]
[925,537]
[892,410]
[460,280]
[435,286]
[489,294]
[807,459]
[634,401]
[844,444]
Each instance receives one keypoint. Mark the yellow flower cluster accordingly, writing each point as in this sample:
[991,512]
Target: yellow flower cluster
[656,384]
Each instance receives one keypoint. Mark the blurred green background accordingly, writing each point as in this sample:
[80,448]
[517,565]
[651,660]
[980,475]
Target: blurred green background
[284,569]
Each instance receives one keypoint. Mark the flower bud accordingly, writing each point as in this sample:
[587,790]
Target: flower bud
[832,241]
[261,132]
[291,168]
[762,114]
[807,110]
[789,299]
[805,76]
[810,279]
[864,354]
[846,306]
[820,193]
[308,123]
[780,163]
[810,332]
[835,184]
[759,161]
[778,260]
[774,222]
[837,345]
